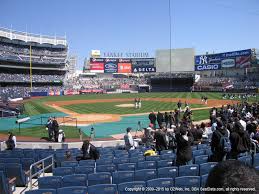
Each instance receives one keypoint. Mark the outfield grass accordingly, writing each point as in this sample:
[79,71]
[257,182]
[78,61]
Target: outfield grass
[41,132]
[111,108]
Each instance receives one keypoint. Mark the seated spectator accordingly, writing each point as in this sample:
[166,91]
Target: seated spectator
[233,174]
[68,156]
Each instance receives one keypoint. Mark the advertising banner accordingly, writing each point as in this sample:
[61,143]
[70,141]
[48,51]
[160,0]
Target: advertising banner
[235,59]
[143,62]
[97,67]
[110,66]
[143,69]
[124,67]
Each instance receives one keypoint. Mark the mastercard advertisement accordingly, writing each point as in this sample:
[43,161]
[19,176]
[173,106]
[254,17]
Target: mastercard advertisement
[124,67]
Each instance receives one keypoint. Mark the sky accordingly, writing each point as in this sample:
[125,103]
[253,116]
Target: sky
[138,25]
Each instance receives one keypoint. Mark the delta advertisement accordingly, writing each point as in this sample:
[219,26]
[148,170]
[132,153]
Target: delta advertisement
[122,65]
[235,59]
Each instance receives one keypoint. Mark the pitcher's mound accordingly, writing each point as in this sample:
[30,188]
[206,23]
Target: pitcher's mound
[125,105]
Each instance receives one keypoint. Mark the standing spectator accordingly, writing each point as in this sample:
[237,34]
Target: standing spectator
[139,103]
[11,142]
[160,119]
[49,128]
[128,139]
[152,118]
[177,117]
[167,120]
[61,136]
[136,103]
[160,138]
[179,105]
[89,151]
[55,127]
[171,119]
[184,140]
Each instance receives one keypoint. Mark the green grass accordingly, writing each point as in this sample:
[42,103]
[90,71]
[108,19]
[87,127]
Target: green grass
[111,108]
[41,132]
[199,115]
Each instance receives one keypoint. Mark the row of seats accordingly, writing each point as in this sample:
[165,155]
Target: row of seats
[6,185]
[159,186]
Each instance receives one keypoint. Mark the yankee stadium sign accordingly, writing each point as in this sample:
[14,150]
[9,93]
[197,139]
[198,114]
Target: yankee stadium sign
[126,55]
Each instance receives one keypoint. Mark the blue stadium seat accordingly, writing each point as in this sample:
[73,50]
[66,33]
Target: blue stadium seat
[246,159]
[127,167]
[122,155]
[257,168]
[87,163]
[103,161]
[153,158]
[189,170]
[145,174]
[201,159]
[146,165]
[99,178]
[26,163]
[168,156]
[194,148]
[167,152]
[122,160]
[163,183]
[122,177]
[15,170]
[103,189]
[203,182]
[42,191]
[29,154]
[106,156]
[208,151]
[62,171]
[202,146]
[187,182]
[198,153]
[84,170]
[72,190]
[10,160]
[206,167]
[164,163]
[74,180]
[123,188]
[2,167]
[137,159]
[5,187]
[135,152]
[256,160]
[106,168]
[69,164]
[50,182]
[167,172]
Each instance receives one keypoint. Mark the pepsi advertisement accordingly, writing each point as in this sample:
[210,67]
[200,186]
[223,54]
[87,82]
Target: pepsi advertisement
[235,59]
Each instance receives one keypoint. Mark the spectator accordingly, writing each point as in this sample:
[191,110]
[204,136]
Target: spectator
[184,140]
[11,142]
[55,128]
[233,174]
[167,120]
[61,136]
[152,118]
[128,139]
[49,128]
[89,151]
[68,156]
[160,119]
[160,139]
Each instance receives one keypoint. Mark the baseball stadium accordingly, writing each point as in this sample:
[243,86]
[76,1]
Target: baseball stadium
[101,130]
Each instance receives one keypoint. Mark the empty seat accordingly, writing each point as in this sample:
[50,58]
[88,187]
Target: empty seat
[106,156]
[62,171]
[26,163]
[103,161]
[168,156]
[50,182]
[137,159]
[131,187]
[5,186]
[187,182]
[256,160]
[246,159]
[146,165]
[198,152]
[103,189]
[117,161]
[201,159]
[69,164]
[99,178]
[203,182]
[153,158]
[122,177]
[127,167]
[257,168]
[167,152]
[194,148]
[167,172]
[164,183]
[145,174]
[106,168]
[164,163]
[74,180]
[84,170]
[87,163]
[72,190]
[206,167]
[15,170]
[10,160]
[42,191]
[189,170]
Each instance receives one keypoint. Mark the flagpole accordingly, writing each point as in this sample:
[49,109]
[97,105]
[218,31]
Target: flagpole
[30,69]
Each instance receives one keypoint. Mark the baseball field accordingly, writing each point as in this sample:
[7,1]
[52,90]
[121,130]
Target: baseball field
[107,114]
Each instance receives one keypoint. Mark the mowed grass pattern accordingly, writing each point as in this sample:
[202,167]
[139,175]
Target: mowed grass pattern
[111,108]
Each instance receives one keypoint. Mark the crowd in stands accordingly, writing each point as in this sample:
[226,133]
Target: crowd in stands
[11,52]
[6,77]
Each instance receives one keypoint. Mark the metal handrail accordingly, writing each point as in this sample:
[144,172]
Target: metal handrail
[42,162]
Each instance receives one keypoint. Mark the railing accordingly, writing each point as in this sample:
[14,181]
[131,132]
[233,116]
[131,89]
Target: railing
[41,171]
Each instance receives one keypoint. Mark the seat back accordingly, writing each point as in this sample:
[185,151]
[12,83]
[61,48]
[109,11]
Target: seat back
[127,167]
[198,152]
[4,188]
[10,160]
[106,168]
[146,165]
[103,161]
[26,163]
[256,160]
[206,167]
[87,163]
[84,170]
[201,159]
[118,161]
[62,171]
[72,190]
[122,177]
[103,188]
[189,170]
[42,191]
[145,174]
[15,170]
[74,180]
[203,146]
[168,157]
[167,172]
[203,182]
[164,163]
[137,159]
[99,178]
[163,183]
[153,158]
[131,187]
[69,164]
[247,160]
[50,182]
[187,182]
